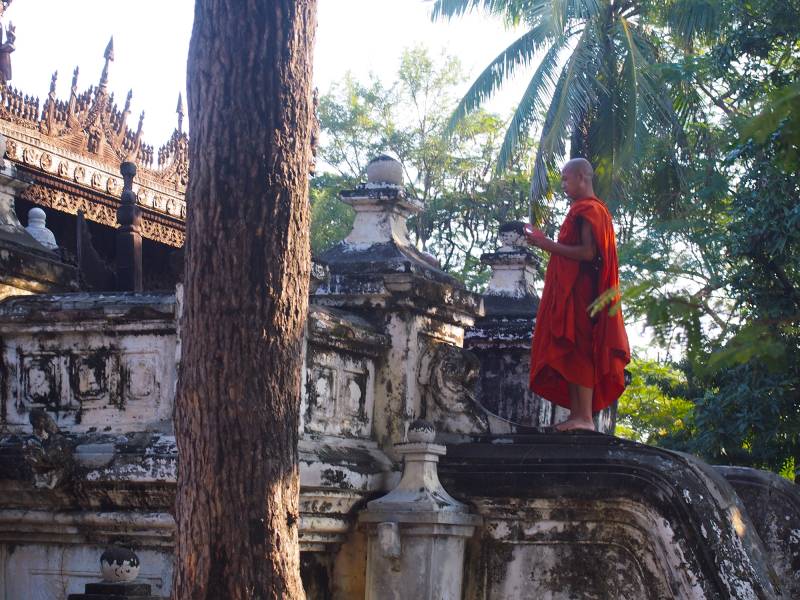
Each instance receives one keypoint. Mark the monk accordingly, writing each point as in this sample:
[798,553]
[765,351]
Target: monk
[578,359]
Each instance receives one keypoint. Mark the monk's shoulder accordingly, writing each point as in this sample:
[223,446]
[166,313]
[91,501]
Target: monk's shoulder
[591,209]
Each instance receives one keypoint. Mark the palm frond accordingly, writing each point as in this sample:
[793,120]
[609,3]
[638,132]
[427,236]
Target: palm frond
[520,52]
[657,102]
[513,11]
[532,102]
[630,95]
[689,19]
[572,98]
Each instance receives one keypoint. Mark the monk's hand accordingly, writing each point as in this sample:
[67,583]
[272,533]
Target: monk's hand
[534,236]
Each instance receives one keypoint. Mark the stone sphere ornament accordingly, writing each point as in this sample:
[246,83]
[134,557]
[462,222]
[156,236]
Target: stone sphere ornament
[384,170]
[119,565]
[421,431]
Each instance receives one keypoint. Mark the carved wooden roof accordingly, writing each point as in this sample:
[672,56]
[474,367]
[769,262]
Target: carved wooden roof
[72,150]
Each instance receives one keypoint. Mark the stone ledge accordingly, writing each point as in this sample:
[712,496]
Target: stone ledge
[710,523]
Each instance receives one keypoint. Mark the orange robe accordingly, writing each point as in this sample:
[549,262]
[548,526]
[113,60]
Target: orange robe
[568,345]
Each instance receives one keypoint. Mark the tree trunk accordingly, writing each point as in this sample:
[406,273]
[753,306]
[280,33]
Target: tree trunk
[246,291]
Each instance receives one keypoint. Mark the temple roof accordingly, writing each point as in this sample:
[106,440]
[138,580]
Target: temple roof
[72,149]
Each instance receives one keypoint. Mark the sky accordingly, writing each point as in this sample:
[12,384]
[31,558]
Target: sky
[151,41]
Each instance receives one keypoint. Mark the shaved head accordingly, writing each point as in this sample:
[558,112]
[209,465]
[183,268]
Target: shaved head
[579,166]
[576,179]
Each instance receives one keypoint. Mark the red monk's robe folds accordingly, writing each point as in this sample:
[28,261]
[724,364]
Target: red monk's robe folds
[568,345]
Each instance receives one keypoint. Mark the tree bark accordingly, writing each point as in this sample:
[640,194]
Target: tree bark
[246,296]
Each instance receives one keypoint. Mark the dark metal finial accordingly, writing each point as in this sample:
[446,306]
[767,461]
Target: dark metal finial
[129,239]
[128,171]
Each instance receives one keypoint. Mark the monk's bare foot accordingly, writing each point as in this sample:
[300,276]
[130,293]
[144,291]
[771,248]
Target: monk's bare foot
[573,424]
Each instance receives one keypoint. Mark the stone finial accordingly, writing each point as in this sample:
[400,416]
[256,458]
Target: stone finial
[120,568]
[384,171]
[38,229]
[119,565]
[417,532]
[381,205]
[513,264]
[421,431]
[511,236]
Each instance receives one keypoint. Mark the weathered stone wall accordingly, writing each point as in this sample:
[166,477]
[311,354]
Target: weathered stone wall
[584,515]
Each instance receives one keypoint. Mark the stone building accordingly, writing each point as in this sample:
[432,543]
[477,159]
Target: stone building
[427,469]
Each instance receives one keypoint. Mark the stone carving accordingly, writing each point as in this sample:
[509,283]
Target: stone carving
[511,237]
[47,452]
[337,396]
[447,376]
[139,375]
[40,379]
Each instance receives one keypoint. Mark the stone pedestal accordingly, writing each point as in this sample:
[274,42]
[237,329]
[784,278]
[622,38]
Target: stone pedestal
[417,532]
[116,591]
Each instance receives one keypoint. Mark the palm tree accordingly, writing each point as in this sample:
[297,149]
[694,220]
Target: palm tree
[597,84]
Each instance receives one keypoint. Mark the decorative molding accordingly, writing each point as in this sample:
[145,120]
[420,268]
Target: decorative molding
[104,211]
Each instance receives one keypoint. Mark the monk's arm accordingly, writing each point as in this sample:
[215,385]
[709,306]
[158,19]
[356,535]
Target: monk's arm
[585,251]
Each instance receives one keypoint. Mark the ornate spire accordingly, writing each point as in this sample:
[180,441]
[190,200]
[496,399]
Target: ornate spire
[50,114]
[180,112]
[109,56]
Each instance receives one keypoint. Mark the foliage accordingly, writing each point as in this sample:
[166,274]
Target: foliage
[716,270]
[596,85]
[653,410]
[331,219]
[465,201]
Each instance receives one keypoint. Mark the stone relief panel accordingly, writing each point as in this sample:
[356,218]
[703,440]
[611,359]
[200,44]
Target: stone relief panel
[447,376]
[89,382]
[338,393]
[39,383]
[94,377]
[140,376]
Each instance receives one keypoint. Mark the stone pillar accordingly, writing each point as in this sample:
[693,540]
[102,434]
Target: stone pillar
[379,274]
[417,532]
[129,237]
[502,338]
